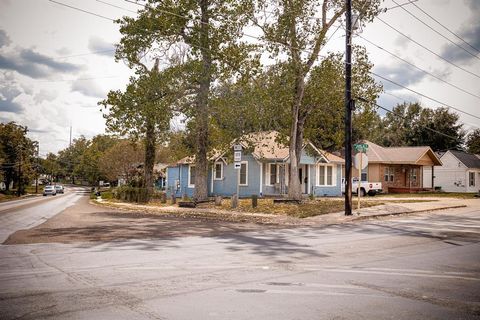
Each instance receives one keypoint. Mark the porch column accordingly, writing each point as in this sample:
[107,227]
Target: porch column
[433,178]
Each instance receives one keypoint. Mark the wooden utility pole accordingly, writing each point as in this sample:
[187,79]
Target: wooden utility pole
[348,109]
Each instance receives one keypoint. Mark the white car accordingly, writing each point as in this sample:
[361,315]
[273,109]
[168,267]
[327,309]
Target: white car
[370,188]
[49,190]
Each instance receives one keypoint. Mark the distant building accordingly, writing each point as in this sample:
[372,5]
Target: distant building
[460,172]
[399,169]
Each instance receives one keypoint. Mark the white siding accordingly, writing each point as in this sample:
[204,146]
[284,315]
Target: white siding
[452,176]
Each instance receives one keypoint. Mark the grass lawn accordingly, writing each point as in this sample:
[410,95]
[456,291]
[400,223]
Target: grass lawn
[309,208]
[7,197]
[430,194]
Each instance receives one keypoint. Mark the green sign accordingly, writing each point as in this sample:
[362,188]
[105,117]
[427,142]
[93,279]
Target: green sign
[360,147]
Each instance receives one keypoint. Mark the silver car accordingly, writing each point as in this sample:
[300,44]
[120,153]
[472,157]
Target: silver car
[59,188]
[49,190]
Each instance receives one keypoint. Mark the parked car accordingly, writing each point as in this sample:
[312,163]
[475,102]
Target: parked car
[59,188]
[370,188]
[49,190]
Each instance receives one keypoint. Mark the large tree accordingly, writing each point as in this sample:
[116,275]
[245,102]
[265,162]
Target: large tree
[203,36]
[409,124]
[143,110]
[294,35]
[16,152]
[473,142]
[119,159]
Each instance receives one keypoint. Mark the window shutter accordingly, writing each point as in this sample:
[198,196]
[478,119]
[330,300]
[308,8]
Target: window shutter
[267,178]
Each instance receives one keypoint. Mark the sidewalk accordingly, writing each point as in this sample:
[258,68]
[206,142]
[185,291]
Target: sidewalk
[392,209]
[385,210]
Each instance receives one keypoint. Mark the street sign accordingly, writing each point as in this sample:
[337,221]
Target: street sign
[360,147]
[237,156]
[237,147]
[360,161]
[237,165]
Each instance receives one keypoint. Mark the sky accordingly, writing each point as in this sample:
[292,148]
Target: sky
[57,63]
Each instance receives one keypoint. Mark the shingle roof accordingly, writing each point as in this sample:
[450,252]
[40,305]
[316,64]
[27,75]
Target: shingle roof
[468,159]
[399,155]
[267,145]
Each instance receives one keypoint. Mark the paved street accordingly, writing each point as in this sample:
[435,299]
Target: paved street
[424,266]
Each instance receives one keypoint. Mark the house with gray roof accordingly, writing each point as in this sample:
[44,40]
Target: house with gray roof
[460,172]
[263,171]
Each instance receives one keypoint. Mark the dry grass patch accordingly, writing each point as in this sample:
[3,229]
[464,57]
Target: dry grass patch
[308,208]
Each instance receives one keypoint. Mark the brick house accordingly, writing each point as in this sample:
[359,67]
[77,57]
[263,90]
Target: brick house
[399,169]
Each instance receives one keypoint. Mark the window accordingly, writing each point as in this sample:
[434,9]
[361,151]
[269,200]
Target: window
[389,174]
[471,179]
[364,176]
[414,175]
[273,173]
[325,175]
[191,176]
[218,174]
[244,173]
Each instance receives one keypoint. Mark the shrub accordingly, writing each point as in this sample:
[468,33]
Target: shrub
[107,195]
[131,194]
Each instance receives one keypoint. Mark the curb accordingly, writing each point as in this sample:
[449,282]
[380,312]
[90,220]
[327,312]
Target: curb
[406,212]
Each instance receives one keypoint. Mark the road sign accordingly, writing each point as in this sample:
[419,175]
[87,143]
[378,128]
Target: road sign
[237,147]
[237,165]
[360,160]
[360,147]
[237,156]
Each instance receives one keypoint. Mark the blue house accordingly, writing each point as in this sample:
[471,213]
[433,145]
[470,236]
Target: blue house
[264,170]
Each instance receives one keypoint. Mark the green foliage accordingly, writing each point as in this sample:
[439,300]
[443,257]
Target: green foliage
[473,142]
[106,195]
[17,156]
[131,194]
[411,125]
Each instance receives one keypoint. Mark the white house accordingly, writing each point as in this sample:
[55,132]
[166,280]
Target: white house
[460,172]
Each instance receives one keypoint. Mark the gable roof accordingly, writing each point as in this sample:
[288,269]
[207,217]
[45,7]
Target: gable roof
[468,159]
[399,155]
[266,146]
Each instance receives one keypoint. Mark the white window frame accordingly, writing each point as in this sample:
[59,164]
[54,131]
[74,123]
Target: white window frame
[246,174]
[324,168]
[190,185]
[390,173]
[277,173]
[215,170]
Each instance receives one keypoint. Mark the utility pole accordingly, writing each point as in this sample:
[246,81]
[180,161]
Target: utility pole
[36,168]
[70,144]
[19,188]
[348,109]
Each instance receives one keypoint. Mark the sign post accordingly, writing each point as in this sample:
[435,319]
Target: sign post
[237,164]
[361,162]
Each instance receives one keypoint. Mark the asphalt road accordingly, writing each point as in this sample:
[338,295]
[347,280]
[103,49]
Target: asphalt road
[411,267]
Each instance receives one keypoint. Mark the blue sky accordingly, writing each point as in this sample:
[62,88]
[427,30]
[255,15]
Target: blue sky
[57,63]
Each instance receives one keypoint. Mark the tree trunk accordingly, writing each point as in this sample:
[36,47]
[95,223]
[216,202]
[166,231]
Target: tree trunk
[149,156]
[201,168]
[296,139]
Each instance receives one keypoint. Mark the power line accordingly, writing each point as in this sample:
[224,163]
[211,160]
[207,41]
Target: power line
[418,68]
[80,79]
[402,117]
[306,50]
[456,35]
[115,6]
[423,95]
[85,54]
[429,50]
[84,11]
[428,26]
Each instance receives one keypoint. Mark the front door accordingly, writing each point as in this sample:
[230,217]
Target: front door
[303,176]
